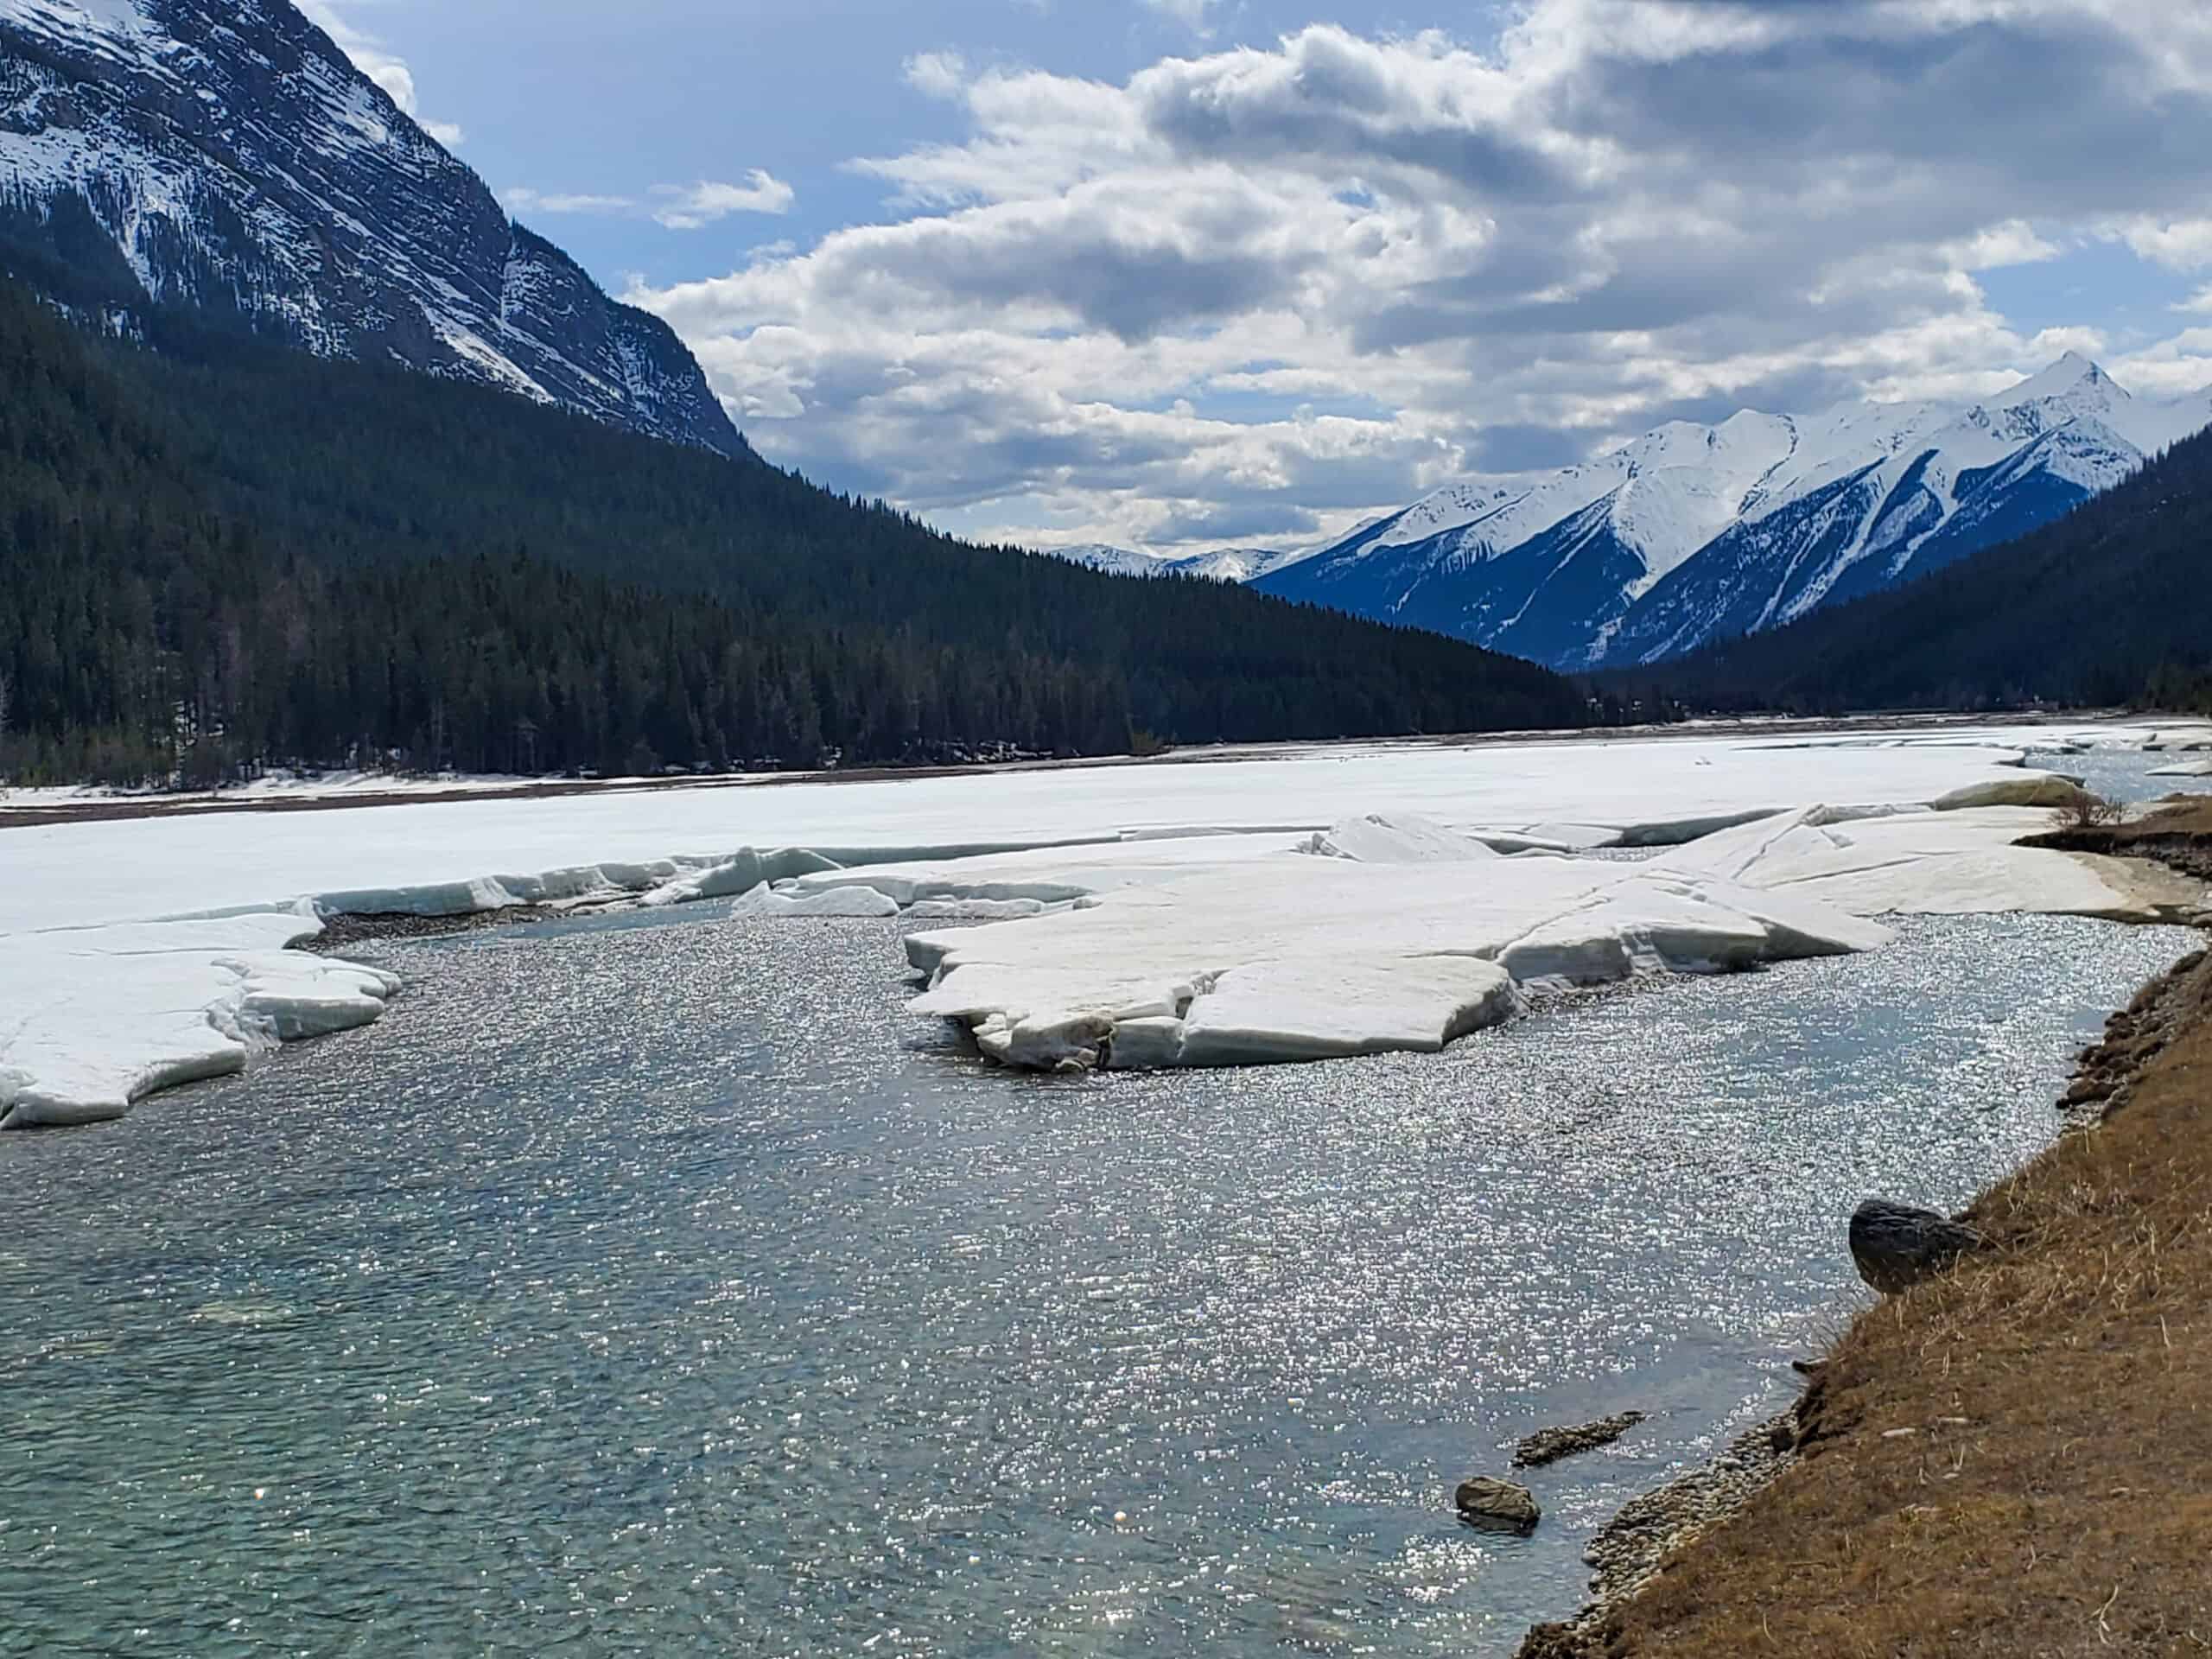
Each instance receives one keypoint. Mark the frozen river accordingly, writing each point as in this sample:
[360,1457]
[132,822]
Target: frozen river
[657,1285]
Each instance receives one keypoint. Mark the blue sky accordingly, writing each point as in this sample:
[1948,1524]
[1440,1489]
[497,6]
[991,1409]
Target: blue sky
[1185,273]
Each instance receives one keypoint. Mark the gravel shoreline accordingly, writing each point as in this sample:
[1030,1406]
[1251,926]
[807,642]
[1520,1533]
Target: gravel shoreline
[343,933]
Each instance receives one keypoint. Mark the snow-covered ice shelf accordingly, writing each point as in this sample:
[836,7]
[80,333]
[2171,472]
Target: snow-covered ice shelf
[1292,905]
[1292,957]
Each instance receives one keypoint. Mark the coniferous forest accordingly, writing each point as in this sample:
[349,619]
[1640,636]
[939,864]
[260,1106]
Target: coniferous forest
[221,555]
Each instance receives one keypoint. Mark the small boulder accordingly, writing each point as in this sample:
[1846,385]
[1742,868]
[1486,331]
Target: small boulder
[1550,1445]
[1498,1505]
[1896,1246]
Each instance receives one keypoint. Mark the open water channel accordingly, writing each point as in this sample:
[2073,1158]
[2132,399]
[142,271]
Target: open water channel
[656,1285]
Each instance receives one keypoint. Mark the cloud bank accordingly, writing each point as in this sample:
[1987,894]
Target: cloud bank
[1253,294]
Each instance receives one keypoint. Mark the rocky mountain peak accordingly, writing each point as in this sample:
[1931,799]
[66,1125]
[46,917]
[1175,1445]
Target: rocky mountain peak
[226,157]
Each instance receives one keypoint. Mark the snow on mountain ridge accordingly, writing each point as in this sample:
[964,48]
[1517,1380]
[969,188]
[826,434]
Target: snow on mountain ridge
[1692,532]
[1114,561]
[1239,564]
[237,162]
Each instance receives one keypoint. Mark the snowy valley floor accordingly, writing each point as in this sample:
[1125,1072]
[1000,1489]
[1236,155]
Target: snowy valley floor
[1294,905]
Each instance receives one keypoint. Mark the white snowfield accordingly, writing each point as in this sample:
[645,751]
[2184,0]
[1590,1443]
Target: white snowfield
[1284,905]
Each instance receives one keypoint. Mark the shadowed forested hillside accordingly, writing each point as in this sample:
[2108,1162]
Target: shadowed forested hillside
[230,553]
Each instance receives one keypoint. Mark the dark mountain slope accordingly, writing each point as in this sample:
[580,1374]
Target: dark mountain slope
[2111,604]
[319,559]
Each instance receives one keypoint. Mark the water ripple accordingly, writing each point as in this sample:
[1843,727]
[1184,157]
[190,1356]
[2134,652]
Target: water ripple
[657,1285]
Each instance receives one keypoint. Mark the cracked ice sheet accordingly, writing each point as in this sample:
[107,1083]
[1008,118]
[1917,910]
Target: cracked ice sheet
[1933,863]
[1298,957]
[1262,956]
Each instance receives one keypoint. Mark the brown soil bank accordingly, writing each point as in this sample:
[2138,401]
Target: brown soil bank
[2180,834]
[2015,1459]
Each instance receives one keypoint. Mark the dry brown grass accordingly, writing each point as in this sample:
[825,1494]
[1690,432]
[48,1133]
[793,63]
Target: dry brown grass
[2053,1495]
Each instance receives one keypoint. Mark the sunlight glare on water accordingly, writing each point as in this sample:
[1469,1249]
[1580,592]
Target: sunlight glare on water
[654,1285]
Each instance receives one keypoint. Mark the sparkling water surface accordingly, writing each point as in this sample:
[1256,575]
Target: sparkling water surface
[2123,774]
[656,1285]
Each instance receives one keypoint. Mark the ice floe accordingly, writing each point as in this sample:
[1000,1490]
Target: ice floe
[829,902]
[740,873]
[1292,958]
[1267,958]
[2028,789]
[1377,839]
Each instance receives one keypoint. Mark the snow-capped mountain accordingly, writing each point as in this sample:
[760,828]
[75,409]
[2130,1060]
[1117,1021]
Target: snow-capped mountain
[1244,564]
[1114,561]
[1693,533]
[226,156]
[1236,563]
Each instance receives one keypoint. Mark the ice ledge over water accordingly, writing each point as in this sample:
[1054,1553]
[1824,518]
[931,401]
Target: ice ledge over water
[103,1017]
[1405,935]
[1286,958]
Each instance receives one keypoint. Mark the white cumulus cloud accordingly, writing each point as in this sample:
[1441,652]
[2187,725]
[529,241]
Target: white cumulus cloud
[686,207]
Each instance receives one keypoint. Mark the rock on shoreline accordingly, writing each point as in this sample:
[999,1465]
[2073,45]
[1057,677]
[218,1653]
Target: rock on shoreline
[1629,1549]
[1896,1246]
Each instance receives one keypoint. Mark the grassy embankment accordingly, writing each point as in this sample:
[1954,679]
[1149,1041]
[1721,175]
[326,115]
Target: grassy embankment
[2015,1459]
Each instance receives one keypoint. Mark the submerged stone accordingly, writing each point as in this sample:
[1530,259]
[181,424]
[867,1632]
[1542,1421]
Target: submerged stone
[1550,1445]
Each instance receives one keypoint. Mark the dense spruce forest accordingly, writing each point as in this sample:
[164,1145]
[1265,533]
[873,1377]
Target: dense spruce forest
[221,555]
[2111,605]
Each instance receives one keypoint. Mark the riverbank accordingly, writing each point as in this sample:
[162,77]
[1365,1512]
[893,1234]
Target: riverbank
[2009,1459]
[27,809]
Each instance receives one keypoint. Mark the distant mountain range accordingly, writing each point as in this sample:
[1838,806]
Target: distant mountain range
[1244,564]
[223,160]
[226,155]
[1697,534]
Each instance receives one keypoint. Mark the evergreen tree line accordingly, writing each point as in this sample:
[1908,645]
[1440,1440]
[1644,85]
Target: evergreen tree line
[216,555]
[2111,605]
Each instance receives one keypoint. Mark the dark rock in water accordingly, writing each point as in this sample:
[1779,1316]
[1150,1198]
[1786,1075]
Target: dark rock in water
[1550,1445]
[1498,1504]
[1897,1246]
